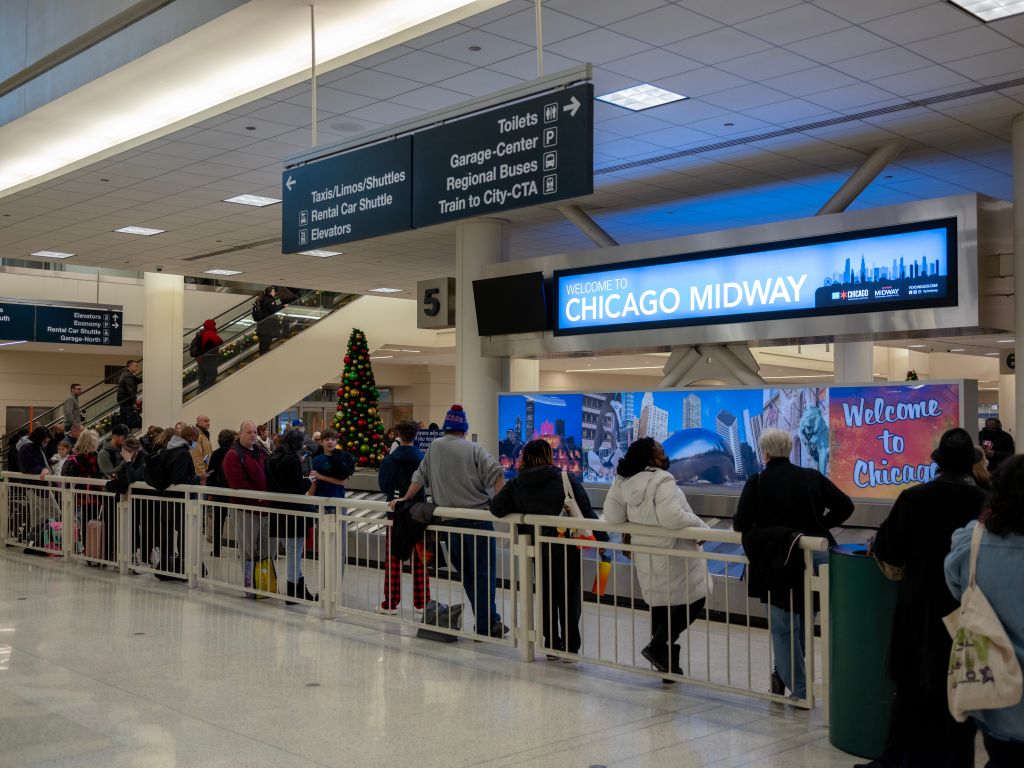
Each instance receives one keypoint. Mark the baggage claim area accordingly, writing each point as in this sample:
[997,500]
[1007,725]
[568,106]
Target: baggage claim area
[496,219]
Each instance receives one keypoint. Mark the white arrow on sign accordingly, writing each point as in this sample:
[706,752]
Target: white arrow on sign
[115,322]
[289,184]
[572,107]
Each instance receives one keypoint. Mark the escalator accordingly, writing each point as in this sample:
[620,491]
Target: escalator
[241,334]
[307,343]
[99,402]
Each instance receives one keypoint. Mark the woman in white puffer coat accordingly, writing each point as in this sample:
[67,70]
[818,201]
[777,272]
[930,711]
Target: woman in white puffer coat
[675,587]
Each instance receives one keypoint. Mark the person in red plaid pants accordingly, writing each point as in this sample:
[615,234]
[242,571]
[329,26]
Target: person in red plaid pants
[394,476]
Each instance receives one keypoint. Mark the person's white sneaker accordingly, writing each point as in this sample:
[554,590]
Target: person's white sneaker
[154,557]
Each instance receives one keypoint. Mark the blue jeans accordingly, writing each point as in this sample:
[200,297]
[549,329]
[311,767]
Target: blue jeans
[786,626]
[474,557]
[293,548]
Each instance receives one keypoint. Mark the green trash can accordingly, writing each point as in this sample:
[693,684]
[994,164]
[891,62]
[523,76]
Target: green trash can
[862,603]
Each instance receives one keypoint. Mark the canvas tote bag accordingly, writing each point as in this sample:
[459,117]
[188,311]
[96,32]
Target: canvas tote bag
[983,668]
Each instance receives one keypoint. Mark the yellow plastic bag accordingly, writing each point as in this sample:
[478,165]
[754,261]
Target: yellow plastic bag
[264,576]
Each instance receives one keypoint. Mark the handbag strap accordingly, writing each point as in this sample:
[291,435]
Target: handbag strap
[979,531]
[567,486]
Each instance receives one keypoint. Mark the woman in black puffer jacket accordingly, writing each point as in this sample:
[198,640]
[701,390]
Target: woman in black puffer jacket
[538,490]
[284,475]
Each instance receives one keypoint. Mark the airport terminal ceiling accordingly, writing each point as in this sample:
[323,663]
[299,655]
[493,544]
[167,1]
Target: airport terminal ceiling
[785,99]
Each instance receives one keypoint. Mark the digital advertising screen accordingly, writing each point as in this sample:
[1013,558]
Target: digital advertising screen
[898,267]
[873,441]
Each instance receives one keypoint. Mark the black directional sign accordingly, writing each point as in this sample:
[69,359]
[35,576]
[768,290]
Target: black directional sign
[359,194]
[16,321]
[532,152]
[79,325]
[55,324]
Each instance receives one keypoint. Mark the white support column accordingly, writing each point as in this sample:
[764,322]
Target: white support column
[1017,138]
[523,375]
[899,364]
[477,378]
[1008,402]
[161,348]
[853,362]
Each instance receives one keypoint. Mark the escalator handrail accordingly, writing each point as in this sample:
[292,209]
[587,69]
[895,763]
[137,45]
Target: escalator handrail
[241,309]
[336,302]
[52,416]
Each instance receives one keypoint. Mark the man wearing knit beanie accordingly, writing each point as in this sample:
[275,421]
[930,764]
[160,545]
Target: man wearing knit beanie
[460,473]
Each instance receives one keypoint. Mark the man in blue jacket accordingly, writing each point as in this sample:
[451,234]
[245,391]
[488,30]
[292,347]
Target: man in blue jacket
[395,477]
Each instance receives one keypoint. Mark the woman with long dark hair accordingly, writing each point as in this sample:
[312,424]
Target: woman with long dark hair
[676,588]
[999,573]
[539,490]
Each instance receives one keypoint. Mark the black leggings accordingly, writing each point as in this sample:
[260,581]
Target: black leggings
[669,621]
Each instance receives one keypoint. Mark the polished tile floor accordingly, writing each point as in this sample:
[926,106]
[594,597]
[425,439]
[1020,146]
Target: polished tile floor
[102,670]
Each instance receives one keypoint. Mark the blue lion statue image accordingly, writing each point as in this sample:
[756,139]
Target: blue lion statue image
[814,433]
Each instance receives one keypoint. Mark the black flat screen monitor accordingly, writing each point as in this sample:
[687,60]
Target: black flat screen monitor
[513,304]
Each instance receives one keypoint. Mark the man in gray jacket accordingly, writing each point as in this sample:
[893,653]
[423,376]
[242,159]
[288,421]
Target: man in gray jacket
[108,458]
[72,408]
[459,473]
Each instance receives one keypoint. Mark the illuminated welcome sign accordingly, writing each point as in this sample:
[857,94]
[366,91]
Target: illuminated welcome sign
[898,267]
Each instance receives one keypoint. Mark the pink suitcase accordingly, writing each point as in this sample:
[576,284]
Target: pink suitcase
[94,541]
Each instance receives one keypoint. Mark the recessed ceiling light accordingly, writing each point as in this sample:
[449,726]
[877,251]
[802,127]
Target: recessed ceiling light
[991,10]
[385,290]
[254,200]
[222,272]
[321,254]
[382,357]
[956,350]
[641,97]
[991,354]
[918,346]
[1006,341]
[145,231]
[53,254]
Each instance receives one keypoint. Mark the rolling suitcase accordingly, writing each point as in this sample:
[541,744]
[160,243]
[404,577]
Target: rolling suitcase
[95,544]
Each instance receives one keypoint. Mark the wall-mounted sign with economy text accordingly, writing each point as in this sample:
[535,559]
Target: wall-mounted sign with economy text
[61,324]
[907,266]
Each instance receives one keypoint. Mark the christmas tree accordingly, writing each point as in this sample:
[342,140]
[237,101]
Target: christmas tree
[359,428]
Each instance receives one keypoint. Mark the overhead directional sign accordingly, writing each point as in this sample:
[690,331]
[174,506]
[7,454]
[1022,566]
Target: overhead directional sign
[61,324]
[534,151]
[16,321]
[360,194]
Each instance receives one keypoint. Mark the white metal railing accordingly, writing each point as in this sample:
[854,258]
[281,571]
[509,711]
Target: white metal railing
[334,553]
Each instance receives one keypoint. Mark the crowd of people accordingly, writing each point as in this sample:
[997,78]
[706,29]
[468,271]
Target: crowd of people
[925,542]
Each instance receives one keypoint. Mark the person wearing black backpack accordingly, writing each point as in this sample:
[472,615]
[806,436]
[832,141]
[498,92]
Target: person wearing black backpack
[171,465]
[204,348]
[395,477]
[262,310]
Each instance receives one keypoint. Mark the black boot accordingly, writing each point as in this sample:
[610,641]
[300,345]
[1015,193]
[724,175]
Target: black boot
[655,655]
[676,669]
[292,590]
[301,591]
